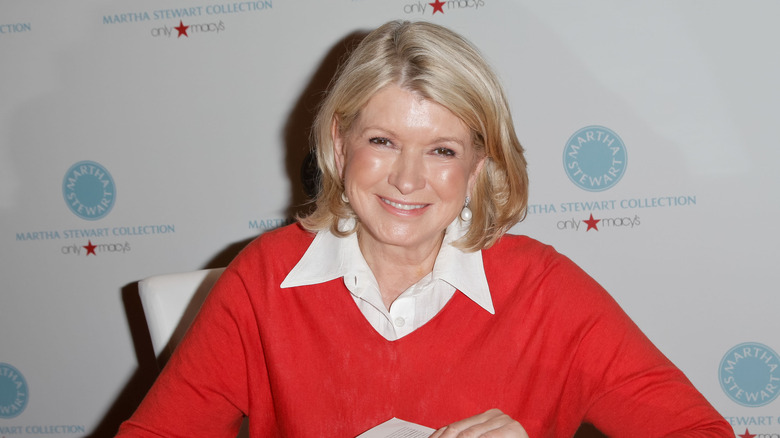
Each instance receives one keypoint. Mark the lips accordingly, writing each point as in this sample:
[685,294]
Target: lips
[407,207]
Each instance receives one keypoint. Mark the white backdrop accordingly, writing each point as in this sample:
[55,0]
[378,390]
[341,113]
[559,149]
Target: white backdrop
[191,117]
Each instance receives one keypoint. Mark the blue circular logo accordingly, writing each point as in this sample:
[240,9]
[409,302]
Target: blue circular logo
[13,391]
[595,158]
[748,374]
[89,190]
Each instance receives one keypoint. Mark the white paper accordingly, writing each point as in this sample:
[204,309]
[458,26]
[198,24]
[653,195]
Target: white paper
[397,428]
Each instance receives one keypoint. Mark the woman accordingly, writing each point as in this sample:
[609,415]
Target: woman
[402,296]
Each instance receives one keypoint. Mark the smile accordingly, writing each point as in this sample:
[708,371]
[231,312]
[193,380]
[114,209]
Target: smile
[403,206]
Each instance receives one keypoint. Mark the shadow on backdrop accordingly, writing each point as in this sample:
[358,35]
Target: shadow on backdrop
[301,164]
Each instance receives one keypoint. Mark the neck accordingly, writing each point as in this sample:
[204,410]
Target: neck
[397,268]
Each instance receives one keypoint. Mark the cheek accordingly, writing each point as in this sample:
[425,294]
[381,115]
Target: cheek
[364,165]
[452,179]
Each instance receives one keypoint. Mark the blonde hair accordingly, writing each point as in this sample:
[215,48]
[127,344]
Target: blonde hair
[443,67]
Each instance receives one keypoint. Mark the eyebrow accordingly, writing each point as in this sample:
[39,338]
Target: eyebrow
[449,140]
[391,133]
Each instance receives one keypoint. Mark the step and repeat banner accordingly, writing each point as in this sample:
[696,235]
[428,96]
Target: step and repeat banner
[145,137]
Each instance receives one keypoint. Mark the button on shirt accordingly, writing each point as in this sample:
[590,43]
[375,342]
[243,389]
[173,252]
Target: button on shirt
[330,257]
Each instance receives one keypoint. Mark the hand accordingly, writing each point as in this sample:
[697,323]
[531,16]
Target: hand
[491,424]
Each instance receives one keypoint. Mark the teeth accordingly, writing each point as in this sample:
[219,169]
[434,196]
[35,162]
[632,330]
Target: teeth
[403,206]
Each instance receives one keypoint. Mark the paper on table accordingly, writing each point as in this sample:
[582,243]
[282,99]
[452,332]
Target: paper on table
[397,428]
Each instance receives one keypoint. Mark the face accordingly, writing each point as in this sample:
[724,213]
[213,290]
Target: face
[407,165]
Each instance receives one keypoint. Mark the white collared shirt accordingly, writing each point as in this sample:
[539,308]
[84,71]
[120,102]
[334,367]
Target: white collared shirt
[330,257]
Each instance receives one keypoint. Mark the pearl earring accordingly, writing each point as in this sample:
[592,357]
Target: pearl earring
[344,197]
[465,214]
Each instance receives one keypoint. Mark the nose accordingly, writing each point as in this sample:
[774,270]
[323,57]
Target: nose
[407,173]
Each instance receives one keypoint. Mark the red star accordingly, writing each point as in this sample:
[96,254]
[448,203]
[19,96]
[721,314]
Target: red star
[182,29]
[592,223]
[747,434]
[438,6]
[90,248]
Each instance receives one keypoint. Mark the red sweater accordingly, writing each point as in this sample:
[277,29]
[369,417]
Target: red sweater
[304,362]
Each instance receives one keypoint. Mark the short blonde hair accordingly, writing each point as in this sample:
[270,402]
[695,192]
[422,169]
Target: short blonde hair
[443,67]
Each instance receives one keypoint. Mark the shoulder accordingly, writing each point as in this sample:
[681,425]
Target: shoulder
[290,237]
[520,264]
[520,252]
[279,249]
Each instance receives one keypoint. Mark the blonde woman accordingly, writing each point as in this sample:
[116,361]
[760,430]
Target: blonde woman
[403,296]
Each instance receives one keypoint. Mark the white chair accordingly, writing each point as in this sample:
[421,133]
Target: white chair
[170,303]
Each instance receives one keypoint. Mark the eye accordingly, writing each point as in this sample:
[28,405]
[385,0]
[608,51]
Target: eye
[382,141]
[445,152]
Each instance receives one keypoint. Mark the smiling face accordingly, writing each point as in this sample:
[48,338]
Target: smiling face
[407,165]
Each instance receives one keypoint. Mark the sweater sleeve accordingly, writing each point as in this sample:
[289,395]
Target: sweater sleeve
[202,391]
[631,389]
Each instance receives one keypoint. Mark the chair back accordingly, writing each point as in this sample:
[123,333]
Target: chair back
[170,303]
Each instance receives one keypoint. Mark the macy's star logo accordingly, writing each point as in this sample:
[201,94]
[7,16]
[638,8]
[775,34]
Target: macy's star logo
[747,434]
[90,248]
[182,29]
[438,6]
[592,223]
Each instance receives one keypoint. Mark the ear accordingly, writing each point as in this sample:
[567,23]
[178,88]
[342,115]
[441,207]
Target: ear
[339,149]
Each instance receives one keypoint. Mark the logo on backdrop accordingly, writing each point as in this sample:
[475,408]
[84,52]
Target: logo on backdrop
[188,30]
[89,190]
[90,193]
[602,222]
[748,374]
[594,158]
[96,248]
[13,391]
[594,216]
[747,434]
[183,23]
[432,8]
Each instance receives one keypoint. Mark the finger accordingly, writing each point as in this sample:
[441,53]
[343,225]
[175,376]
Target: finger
[492,426]
[438,433]
[478,423]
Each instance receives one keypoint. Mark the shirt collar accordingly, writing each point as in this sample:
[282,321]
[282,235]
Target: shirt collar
[330,257]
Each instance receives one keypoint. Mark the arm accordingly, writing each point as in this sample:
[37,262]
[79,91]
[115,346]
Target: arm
[587,360]
[631,388]
[202,391]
